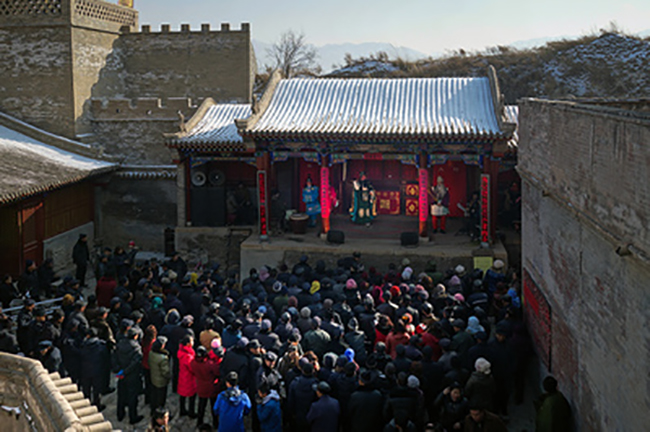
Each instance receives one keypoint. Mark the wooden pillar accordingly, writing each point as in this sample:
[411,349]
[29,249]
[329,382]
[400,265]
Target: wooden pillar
[423,201]
[325,202]
[263,164]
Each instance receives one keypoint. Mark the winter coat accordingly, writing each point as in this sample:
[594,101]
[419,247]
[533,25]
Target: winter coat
[316,340]
[159,368]
[363,409]
[52,361]
[301,395]
[451,412]
[105,290]
[553,413]
[128,359]
[206,372]
[236,360]
[323,416]
[269,413]
[393,339]
[80,253]
[481,389]
[230,408]
[94,356]
[402,399]
[186,379]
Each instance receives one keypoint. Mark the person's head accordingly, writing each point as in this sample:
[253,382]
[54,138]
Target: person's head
[187,340]
[160,417]
[456,392]
[322,388]
[269,359]
[232,379]
[550,384]
[254,347]
[308,182]
[263,390]
[29,305]
[39,314]
[477,414]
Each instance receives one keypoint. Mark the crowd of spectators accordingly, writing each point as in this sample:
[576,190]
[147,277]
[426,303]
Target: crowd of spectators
[307,347]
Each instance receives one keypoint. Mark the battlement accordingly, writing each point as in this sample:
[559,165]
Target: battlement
[185,29]
[143,109]
[95,14]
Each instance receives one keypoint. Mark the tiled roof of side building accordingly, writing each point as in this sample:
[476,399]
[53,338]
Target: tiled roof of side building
[29,166]
[423,107]
[216,126]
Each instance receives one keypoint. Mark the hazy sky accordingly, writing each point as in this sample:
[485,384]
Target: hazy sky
[430,26]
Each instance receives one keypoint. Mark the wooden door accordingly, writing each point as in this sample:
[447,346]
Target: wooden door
[31,224]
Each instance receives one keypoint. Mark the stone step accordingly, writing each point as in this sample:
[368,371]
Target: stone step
[80,403]
[73,396]
[62,382]
[85,411]
[105,426]
[69,388]
[92,419]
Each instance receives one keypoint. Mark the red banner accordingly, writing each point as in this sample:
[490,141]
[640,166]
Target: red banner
[538,317]
[325,203]
[388,202]
[261,187]
[423,199]
[485,208]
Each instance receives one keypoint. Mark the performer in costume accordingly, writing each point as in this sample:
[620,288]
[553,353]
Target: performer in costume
[310,198]
[363,209]
[440,206]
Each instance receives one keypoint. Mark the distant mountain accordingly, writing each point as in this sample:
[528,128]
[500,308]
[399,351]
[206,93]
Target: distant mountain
[606,65]
[331,56]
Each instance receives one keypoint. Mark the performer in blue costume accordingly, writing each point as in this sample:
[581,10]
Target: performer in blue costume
[310,197]
[363,201]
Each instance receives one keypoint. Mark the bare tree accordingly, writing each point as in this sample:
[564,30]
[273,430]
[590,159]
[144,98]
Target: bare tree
[293,56]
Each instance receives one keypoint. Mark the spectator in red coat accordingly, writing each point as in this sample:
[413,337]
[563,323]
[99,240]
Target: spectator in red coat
[105,291]
[399,336]
[206,372]
[186,380]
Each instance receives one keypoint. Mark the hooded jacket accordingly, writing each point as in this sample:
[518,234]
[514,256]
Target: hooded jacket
[230,408]
[186,379]
[269,413]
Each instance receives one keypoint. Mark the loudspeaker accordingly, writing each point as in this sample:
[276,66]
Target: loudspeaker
[409,239]
[335,237]
[208,206]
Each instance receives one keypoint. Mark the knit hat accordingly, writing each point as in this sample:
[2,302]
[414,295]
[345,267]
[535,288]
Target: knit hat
[216,343]
[413,382]
[459,269]
[498,264]
[349,354]
[315,287]
[305,312]
[266,324]
[459,297]
[407,273]
[483,366]
[351,284]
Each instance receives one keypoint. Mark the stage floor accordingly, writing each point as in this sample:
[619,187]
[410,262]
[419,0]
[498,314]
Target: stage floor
[378,244]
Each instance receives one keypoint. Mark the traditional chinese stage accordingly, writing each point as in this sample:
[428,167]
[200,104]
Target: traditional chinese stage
[378,244]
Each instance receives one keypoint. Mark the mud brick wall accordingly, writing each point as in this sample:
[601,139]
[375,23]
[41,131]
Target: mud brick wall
[585,196]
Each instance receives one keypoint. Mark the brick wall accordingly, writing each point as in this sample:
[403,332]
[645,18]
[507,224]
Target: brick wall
[582,198]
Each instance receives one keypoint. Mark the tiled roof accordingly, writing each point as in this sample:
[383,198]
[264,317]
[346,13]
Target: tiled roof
[217,126]
[29,166]
[512,116]
[420,108]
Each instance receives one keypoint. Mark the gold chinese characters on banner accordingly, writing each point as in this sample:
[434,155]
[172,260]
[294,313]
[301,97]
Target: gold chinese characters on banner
[127,3]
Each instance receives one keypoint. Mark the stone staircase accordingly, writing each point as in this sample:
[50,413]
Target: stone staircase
[91,419]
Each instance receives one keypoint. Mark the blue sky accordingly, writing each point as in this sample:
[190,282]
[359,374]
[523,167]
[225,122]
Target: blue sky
[430,26]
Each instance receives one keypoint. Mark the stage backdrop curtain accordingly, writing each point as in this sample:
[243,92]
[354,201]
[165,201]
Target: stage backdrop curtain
[388,202]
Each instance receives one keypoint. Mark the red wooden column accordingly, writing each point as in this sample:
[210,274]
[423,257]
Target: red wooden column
[263,164]
[423,196]
[325,202]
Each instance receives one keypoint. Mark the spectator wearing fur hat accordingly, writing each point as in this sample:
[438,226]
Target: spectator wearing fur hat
[481,387]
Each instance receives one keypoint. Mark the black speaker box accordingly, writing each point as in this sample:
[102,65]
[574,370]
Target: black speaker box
[409,239]
[208,206]
[336,237]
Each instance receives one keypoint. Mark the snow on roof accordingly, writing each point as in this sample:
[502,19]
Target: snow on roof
[512,116]
[29,166]
[433,107]
[217,125]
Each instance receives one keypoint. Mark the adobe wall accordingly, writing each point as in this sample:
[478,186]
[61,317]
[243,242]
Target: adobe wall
[582,199]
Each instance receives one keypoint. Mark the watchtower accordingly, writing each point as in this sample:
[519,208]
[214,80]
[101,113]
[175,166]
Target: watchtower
[53,53]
